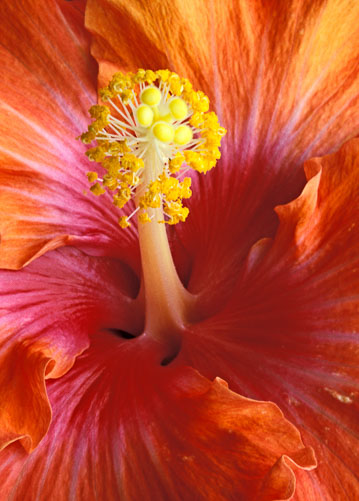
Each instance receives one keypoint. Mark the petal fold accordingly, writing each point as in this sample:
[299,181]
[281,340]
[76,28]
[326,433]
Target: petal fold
[25,413]
[290,332]
[48,311]
[126,428]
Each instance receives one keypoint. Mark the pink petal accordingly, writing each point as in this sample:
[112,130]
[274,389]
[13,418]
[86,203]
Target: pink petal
[48,311]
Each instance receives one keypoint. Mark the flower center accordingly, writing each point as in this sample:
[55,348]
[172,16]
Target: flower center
[153,129]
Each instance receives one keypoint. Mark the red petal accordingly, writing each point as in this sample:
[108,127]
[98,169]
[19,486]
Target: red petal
[290,331]
[125,427]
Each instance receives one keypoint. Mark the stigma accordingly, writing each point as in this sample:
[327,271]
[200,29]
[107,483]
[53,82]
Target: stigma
[151,131]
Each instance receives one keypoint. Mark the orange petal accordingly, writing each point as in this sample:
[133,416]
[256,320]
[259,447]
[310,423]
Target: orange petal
[323,220]
[25,412]
[270,71]
[48,83]
[45,91]
[283,77]
[125,427]
[290,331]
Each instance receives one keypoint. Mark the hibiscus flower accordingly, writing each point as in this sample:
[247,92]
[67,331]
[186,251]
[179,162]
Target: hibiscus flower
[95,407]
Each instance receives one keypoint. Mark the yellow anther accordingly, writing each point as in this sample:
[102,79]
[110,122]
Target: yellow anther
[143,217]
[123,222]
[106,94]
[110,182]
[112,165]
[121,198]
[176,212]
[125,191]
[163,132]
[96,154]
[140,76]
[170,187]
[163,75]
[199,101]
[176,85]
[97,111]
[187,86]
[185,186]
[144,115]
[130,178]
[178,108]
[151,96]
[120,202]
[152,197]
[150,76]
[90,135]
[92,176]
[131,162]
[152,200]
[196,119]
[118,148]
[195,160]
[176,163]
[183,135]
[97,189]
[127,96]
[120,83]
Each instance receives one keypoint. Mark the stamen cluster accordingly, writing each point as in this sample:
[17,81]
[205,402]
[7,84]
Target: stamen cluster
[154,129]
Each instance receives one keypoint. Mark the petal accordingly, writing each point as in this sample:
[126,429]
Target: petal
[47,86]
[291,330]
[125,427]
[48,311]
[22,368]
[283,77]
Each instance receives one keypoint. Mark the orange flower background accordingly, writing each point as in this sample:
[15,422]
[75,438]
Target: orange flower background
[270,250]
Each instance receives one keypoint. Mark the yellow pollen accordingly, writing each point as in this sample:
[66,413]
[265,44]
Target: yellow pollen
[92,176]
[163,132]
[151,96]
[123,222]
[144,218]
[142,147]
[144,115]
[97,189]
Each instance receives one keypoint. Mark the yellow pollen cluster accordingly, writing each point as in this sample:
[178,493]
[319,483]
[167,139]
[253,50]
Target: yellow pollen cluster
[153,128]
[169,192]
[101,116]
